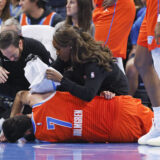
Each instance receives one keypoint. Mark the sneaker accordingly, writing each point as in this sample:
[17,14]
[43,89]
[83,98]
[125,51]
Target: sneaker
[153,133]
[154,141]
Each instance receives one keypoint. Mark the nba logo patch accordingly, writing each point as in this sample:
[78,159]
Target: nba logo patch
[92,75]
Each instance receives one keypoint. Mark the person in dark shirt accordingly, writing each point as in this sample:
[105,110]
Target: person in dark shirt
[34,12]
[88,68]
[15,50]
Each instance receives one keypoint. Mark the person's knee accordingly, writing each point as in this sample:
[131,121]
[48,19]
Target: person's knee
[143,59]
[131,70]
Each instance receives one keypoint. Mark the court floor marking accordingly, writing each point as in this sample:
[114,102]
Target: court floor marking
[79,148]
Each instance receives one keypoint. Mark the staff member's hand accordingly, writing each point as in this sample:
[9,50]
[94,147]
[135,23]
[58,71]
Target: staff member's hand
[107,94]
[108,3]
[3,75]
[157,33]
[2,138]
[54,75]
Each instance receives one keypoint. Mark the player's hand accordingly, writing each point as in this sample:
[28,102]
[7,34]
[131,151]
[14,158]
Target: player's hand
[2,138]
[108,3]
[107,94]
[3,75]
[157,33]
[54,75]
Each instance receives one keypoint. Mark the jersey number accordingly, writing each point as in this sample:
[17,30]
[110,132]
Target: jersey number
[52,121]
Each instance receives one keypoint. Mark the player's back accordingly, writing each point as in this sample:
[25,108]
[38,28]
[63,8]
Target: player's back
[67,118]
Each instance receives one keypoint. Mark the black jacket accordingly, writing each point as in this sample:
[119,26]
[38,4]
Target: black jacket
[88,80]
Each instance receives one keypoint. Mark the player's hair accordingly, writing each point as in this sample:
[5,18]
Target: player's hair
[8,38]
[15,128]
[84,48]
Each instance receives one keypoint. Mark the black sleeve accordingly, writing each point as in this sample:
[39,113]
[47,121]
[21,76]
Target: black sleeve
[57,18]
[60,65]
[94,78]
[40,50]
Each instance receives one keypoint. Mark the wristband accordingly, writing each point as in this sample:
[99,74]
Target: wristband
[158,19]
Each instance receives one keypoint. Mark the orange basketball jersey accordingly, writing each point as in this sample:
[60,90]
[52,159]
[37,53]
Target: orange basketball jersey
[64,117]
[112,25]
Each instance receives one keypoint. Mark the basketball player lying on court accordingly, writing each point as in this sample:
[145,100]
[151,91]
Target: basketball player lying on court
[61,117]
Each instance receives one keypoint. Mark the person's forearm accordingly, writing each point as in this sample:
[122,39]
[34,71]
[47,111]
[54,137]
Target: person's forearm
[85,93]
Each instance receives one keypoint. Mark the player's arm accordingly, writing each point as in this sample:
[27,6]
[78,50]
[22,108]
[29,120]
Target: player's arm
[22,97]
[108,3]
[26,98]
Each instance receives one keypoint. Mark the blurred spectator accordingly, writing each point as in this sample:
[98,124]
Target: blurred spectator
[35,12]
[15,8]
[79,13]
[4,10]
